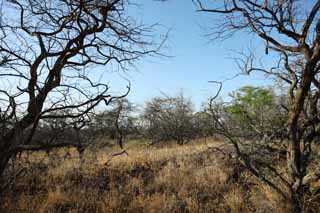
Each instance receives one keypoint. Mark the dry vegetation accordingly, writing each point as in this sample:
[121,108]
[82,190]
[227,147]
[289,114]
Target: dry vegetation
[49,98]
[162,178]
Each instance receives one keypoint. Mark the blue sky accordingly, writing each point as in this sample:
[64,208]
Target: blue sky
[194,61]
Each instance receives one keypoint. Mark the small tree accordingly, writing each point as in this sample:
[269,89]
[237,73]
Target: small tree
[257,113]
[169,118]
[119,115]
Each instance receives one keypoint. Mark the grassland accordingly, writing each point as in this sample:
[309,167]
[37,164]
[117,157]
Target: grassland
[162,178]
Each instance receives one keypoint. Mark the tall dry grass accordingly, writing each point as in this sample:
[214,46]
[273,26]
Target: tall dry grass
[167,178]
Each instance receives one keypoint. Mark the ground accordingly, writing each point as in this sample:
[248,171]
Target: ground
[159,178]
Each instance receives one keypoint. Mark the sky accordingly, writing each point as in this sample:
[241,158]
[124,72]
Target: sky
[194,59]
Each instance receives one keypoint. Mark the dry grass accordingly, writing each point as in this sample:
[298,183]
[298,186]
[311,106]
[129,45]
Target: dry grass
[167,178]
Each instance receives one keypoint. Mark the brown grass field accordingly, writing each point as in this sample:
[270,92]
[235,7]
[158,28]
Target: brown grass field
[166,178]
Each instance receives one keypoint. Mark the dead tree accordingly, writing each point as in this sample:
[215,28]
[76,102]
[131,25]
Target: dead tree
[290,29]
[46,48]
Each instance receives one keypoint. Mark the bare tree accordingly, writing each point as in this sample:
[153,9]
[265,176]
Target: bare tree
[169,118]
[45,49]
[291,29]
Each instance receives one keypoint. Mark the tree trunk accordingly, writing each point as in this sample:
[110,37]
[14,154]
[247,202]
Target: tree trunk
[4,159]
[294,155]
[296,202]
